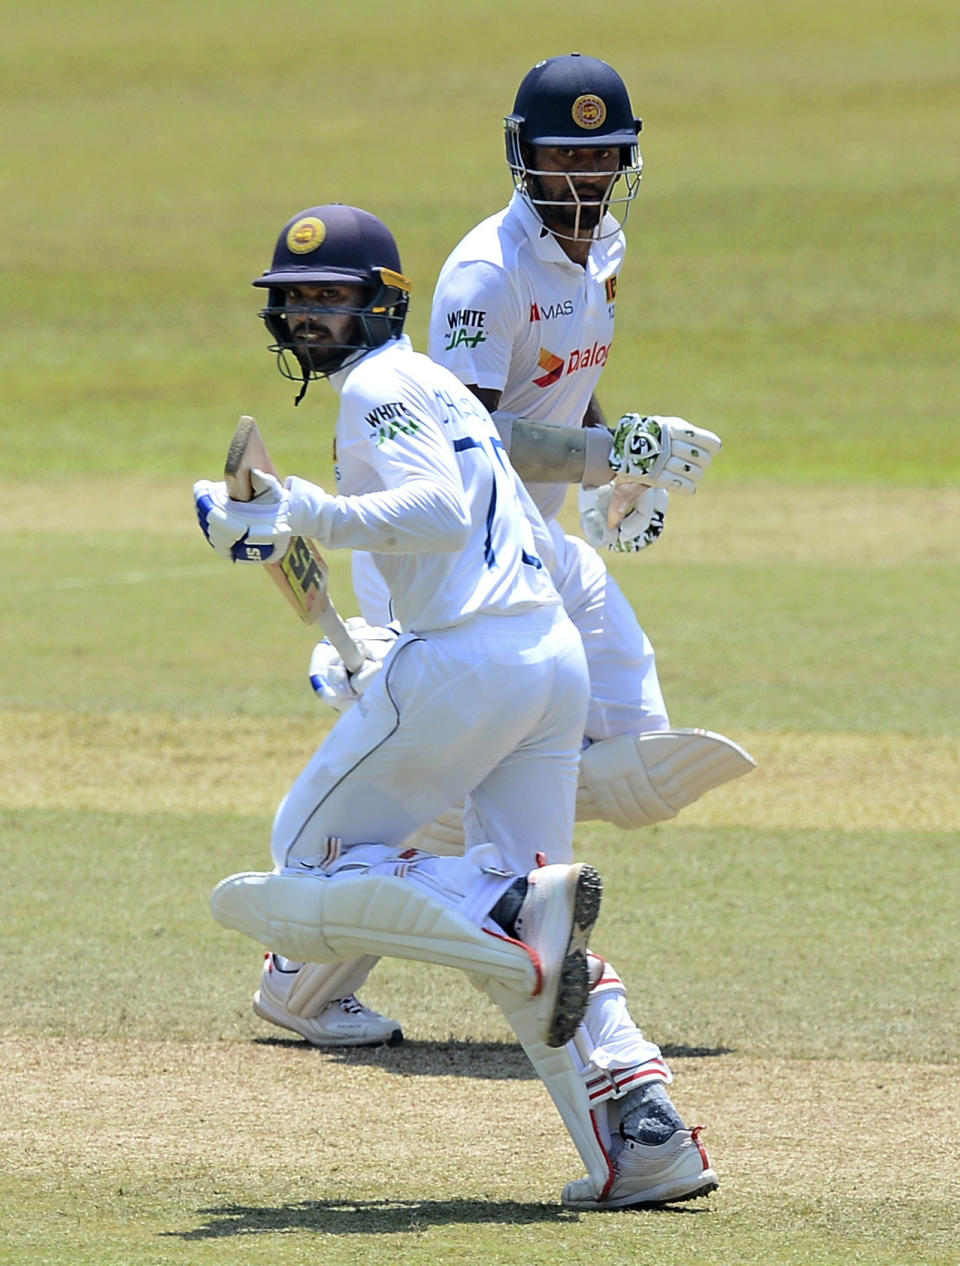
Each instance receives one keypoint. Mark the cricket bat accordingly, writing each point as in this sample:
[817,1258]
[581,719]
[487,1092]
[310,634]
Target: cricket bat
[301,575]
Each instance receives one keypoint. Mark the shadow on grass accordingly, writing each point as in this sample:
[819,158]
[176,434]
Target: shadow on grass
[379,1217]
[494,1061]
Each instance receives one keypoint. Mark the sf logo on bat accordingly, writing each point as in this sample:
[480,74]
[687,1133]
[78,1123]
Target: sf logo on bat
[302,569]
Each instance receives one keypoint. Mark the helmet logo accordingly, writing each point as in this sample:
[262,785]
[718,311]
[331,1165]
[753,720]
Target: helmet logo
[306,235]
[589,111]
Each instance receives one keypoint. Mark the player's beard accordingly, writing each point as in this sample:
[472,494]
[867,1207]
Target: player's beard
[579,218]
[570,217]
[322,357]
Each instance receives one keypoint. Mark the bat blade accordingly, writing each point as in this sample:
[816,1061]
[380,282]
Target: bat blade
[247,452]
[301,575]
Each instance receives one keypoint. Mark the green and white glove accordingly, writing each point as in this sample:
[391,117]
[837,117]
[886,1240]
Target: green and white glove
[662,452]
[639,527]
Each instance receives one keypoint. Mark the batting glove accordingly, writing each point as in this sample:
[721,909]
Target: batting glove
[328,673]
[662,452]
[255,531]
[639,527]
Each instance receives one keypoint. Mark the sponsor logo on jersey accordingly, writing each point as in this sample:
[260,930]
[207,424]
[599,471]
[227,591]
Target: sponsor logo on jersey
[580,358]
[587,357]
[547,311]
[465,327]
[610,285]
[553,366]
[391,419]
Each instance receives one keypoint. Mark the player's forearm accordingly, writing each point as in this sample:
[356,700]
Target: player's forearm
[594,414]
[420,517]
[541,453]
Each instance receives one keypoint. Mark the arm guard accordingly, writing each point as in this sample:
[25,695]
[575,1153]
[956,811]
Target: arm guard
[545,454]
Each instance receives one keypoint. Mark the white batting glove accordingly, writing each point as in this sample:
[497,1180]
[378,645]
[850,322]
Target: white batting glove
[639,527]
[328,673]
[662,452]
[243,531]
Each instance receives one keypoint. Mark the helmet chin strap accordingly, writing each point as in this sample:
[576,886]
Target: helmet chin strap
[307,372]
[350,355]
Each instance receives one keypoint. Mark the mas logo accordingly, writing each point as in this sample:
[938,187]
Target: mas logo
[547,311]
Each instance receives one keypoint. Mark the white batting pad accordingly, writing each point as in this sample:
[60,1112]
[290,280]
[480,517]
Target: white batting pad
[317,984]
[556,1068]
[310,919]
[443,836]
[635,780]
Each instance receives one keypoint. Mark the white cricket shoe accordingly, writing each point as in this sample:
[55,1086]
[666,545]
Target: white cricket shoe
[342,1022]
[555,920]
[642,1175]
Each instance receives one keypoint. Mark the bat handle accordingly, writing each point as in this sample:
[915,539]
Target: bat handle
[350,651]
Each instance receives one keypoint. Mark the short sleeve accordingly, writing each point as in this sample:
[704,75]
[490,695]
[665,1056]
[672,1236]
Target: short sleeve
[474,323]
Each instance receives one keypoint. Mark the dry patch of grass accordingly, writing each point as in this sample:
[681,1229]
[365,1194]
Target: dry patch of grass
[843,782]
[725,523]
[789,525]
[210,1140]
[95,1104]
[150,763]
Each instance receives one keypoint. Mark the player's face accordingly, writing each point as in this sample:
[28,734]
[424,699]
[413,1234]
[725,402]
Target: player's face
[318,322]
[571,185]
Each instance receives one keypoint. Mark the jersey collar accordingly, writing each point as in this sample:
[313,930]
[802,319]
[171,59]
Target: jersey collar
[546,247]
[340,376]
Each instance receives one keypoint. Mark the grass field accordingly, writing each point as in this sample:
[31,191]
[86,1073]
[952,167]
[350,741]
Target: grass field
[790,940]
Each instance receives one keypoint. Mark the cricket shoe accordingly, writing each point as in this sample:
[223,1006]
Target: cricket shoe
[552,912]
[678,1169]
[342,1022]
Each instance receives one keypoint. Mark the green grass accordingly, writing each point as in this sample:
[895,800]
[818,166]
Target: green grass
[791,279]
[792,282]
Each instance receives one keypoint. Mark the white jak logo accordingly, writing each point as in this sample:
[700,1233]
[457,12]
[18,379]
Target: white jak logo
[465,326]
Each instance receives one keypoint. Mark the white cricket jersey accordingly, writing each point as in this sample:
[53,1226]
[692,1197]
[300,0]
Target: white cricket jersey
[425,486]
[512,313]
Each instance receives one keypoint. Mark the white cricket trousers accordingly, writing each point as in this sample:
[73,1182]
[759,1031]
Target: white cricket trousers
[625,693]
[493,709]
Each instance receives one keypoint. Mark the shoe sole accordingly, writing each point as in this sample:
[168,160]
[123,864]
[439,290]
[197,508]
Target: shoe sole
[642,1200]
[703,1188]
[286,1020]
[657,1198]
[573,989]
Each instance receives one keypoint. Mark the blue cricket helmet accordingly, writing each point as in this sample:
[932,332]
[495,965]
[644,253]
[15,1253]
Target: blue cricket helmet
[574,102]
[340,245]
